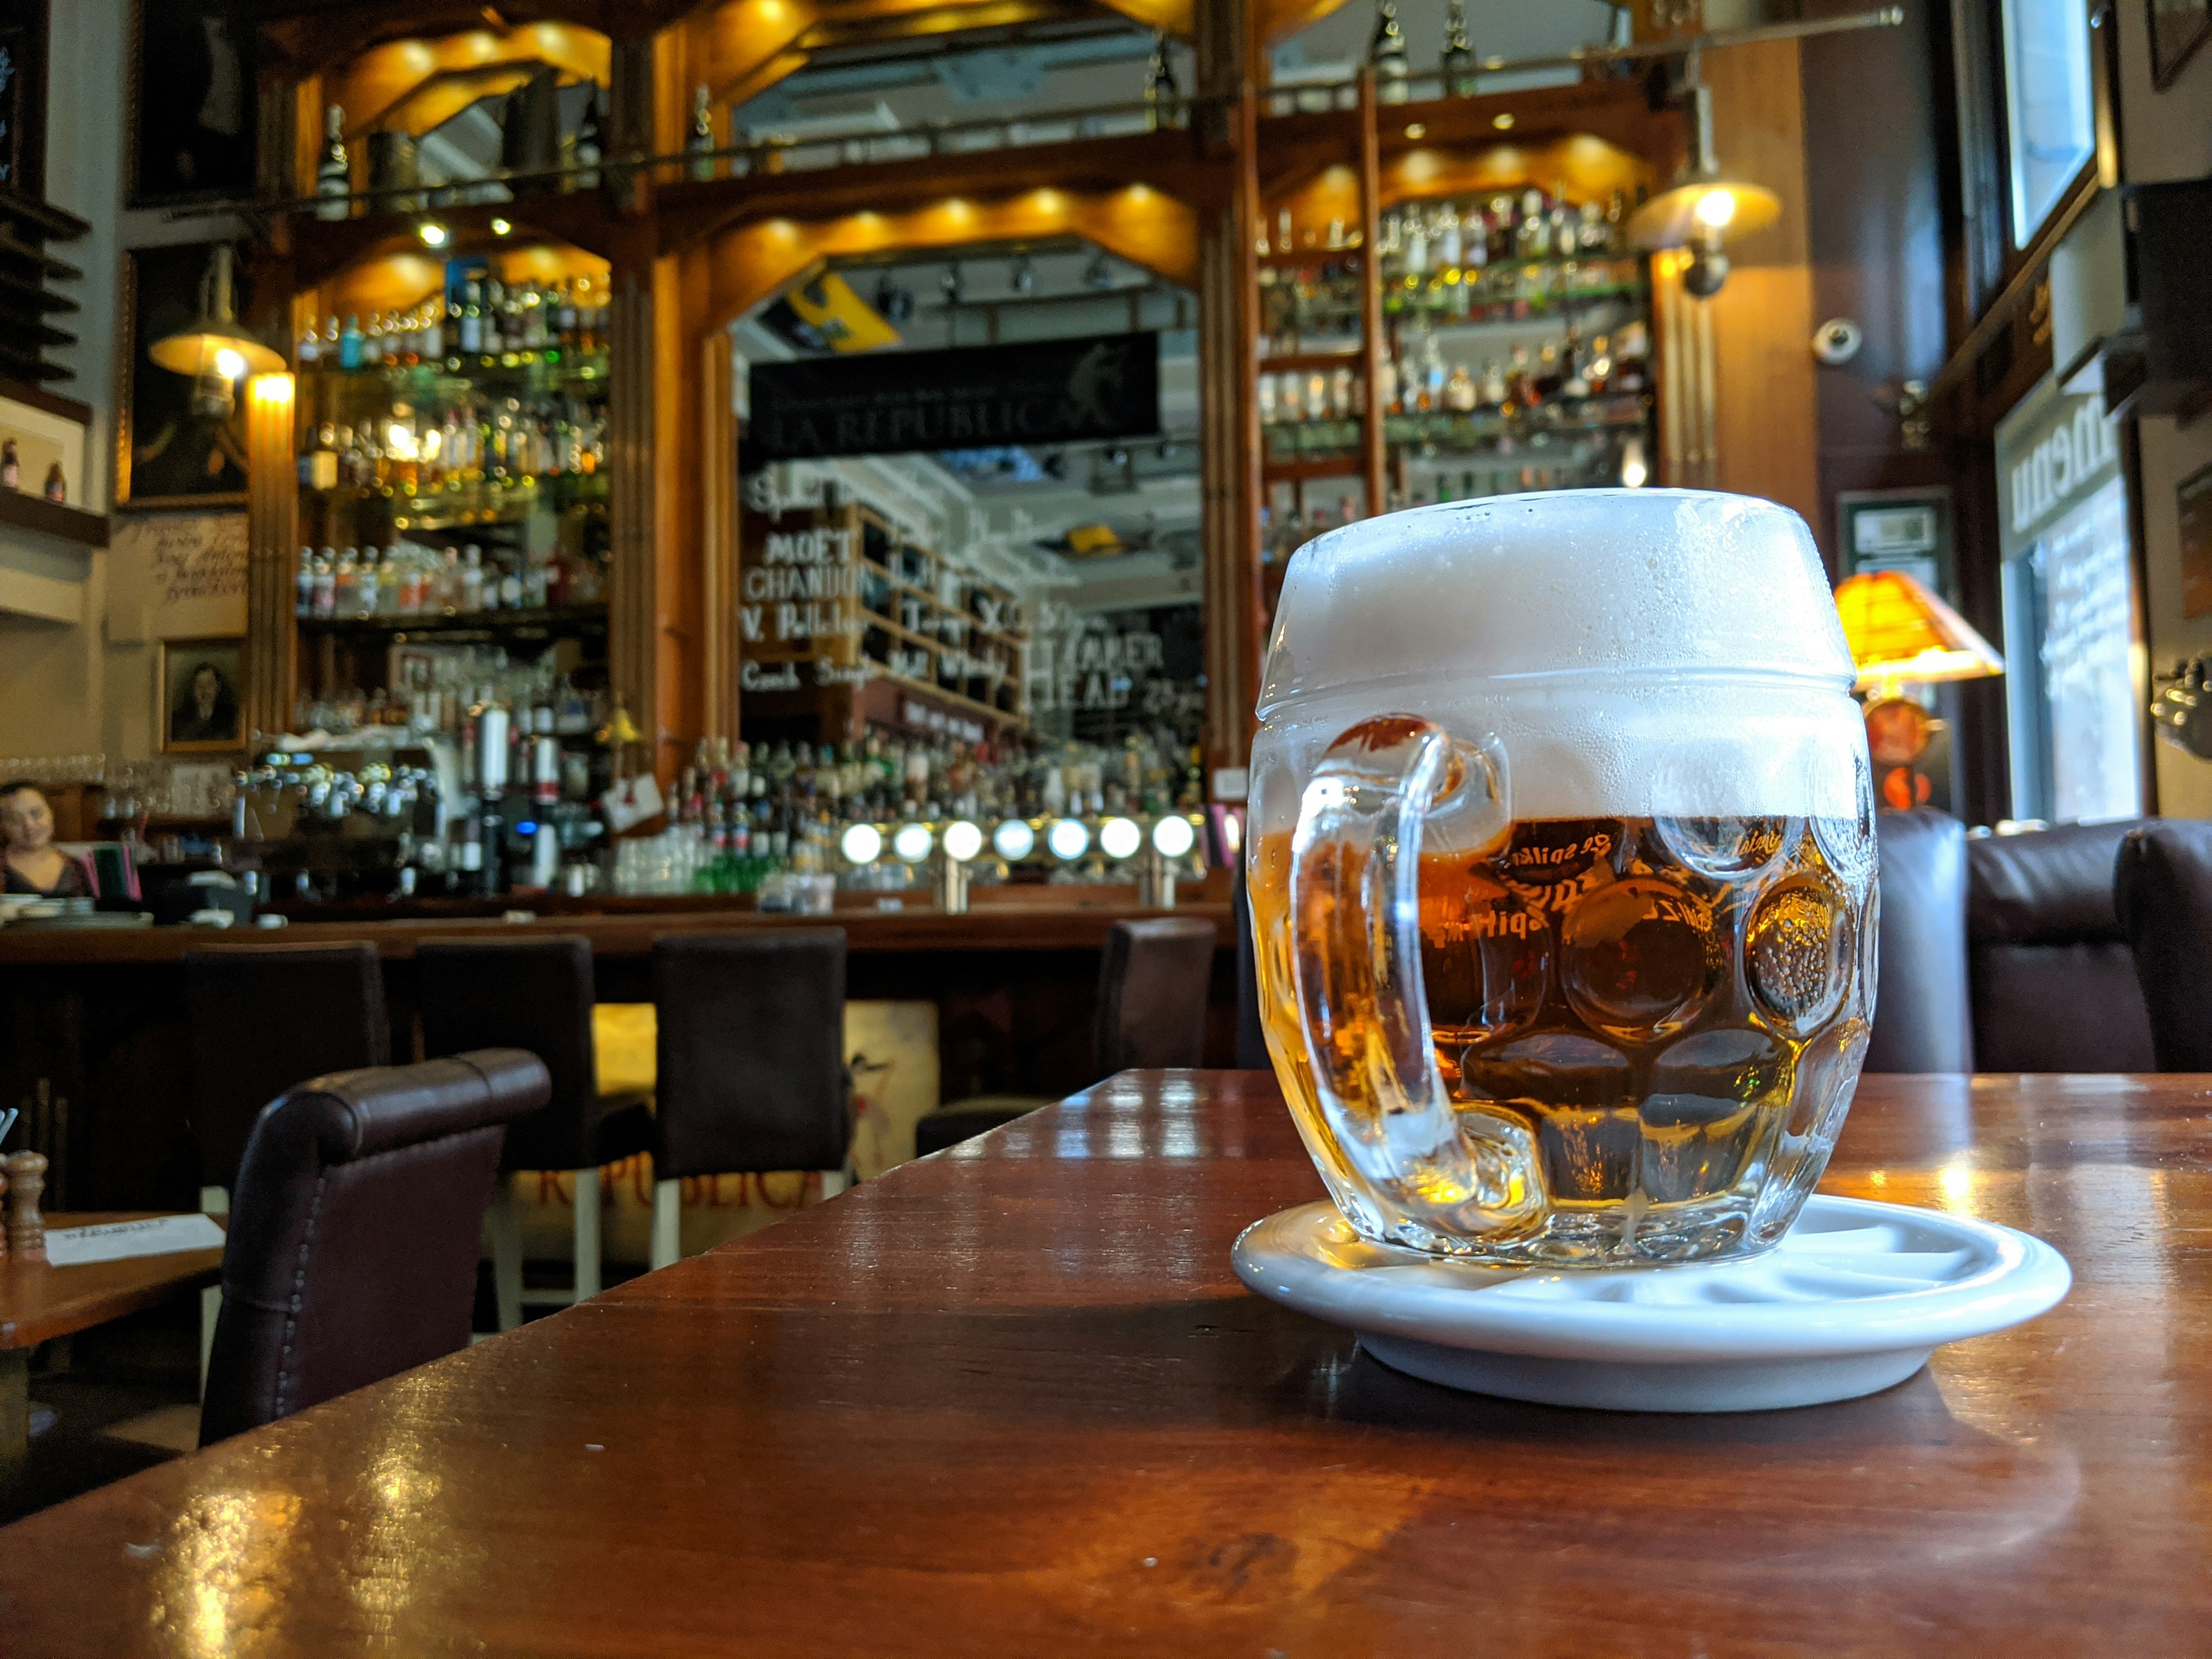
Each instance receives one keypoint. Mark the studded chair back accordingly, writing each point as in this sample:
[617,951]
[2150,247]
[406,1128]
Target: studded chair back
[264,1018]
[354,1228]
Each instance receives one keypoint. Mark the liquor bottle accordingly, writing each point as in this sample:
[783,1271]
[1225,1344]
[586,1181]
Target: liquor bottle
[310,349]
[350,345]
[326,583]
[1162,98]
[388,581]
[472,579]
[372,342]
[701,138]
[334,174]
[1448,240]
[492,333]
[591,145]
[1416,245]
[1386,379]
[469,328]
[303,603]
[1386,55]
[344,602]
[564,313]
[1458,63]
[431,346]
[1433,373]
[1460,390]
[1494,392]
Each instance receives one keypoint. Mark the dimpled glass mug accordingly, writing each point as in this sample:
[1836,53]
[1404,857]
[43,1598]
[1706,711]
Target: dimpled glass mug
[1561,862]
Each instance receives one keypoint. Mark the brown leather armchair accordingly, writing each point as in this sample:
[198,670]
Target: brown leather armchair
[2165,888]
[2054,981]
[354,1231]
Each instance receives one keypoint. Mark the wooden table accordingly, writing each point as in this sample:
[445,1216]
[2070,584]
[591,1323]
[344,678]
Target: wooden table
[1010,1402]
[39,1302]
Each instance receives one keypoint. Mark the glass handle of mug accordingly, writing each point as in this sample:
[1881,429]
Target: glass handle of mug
[1356,966]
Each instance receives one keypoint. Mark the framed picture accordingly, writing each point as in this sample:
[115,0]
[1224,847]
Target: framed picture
[173,448]
[202,696]
[2178,27]
[192,120]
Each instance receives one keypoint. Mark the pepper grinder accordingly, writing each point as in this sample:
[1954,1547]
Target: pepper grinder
[27,1228]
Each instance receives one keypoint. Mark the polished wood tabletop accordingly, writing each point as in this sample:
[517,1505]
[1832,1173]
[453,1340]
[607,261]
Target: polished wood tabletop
[1011,1400]
[39,1300]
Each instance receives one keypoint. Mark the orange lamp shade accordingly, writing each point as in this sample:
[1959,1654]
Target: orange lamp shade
[1901,633]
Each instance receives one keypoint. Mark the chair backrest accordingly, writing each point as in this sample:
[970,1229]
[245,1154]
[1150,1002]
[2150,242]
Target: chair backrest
[2054,981]
[1152,994]
[1251,1041]
[1924,1018]
[265,1016]
[751,1053]
[355,1230]
[532,993]
[2164,896]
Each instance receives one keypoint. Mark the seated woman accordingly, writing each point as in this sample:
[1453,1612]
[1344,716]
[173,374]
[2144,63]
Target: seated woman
[34,863]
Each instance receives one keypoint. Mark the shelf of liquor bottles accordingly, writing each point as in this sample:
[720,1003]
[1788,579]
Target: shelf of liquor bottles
[928,624]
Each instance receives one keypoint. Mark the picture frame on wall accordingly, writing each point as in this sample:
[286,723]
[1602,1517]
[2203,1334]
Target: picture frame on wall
[202,695]
[2178,27]
[191,125]
[174,448]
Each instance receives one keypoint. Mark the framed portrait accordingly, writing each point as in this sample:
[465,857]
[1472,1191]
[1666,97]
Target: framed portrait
[174,448]
[2178,27]
[192,118]
[202,696]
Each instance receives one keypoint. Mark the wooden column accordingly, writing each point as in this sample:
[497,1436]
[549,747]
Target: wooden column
[719,509]
[273,533]
[1227,335]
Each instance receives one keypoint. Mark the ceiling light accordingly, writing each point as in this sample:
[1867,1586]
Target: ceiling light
[499,227]
[1502,120]
[432,233]
[1704,203]
[1013,840]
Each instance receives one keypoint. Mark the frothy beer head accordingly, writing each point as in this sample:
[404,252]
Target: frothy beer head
[1636,652]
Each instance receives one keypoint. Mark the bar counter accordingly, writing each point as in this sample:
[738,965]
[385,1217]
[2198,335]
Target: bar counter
[96,1048]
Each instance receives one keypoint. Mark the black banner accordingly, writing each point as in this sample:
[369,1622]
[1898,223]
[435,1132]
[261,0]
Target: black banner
[973,397]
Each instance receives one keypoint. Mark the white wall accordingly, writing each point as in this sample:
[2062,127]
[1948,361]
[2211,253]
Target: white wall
[2165,136]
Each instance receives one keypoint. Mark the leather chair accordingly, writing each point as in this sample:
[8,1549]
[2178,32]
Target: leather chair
[352,1253]
[2054,981]
[1150,1015]
[2164,898]
[264,1018]
[535,994]
[1923,1016]
[751,1063]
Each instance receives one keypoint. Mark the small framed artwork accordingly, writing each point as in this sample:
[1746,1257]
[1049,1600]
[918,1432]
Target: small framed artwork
[191,112]
[179,443]
[202,696]
[2178,27]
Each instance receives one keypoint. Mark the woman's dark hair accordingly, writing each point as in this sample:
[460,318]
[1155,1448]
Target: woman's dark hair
[17,786]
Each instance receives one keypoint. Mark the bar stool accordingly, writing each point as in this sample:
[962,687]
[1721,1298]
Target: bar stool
[264,1018]
[751,1063]
[535,994]
[1150,1016]
[352,1253]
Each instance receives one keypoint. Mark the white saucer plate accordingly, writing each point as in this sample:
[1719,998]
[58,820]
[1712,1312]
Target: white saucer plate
[1854,1299]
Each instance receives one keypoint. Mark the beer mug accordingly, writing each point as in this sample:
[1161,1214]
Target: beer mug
[1561,861]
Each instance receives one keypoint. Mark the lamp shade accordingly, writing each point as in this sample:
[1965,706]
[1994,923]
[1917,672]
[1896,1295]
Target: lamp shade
[215,344]
[1705,206]
[1900,632]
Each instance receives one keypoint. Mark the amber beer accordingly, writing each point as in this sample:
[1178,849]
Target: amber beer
[1525,1034]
